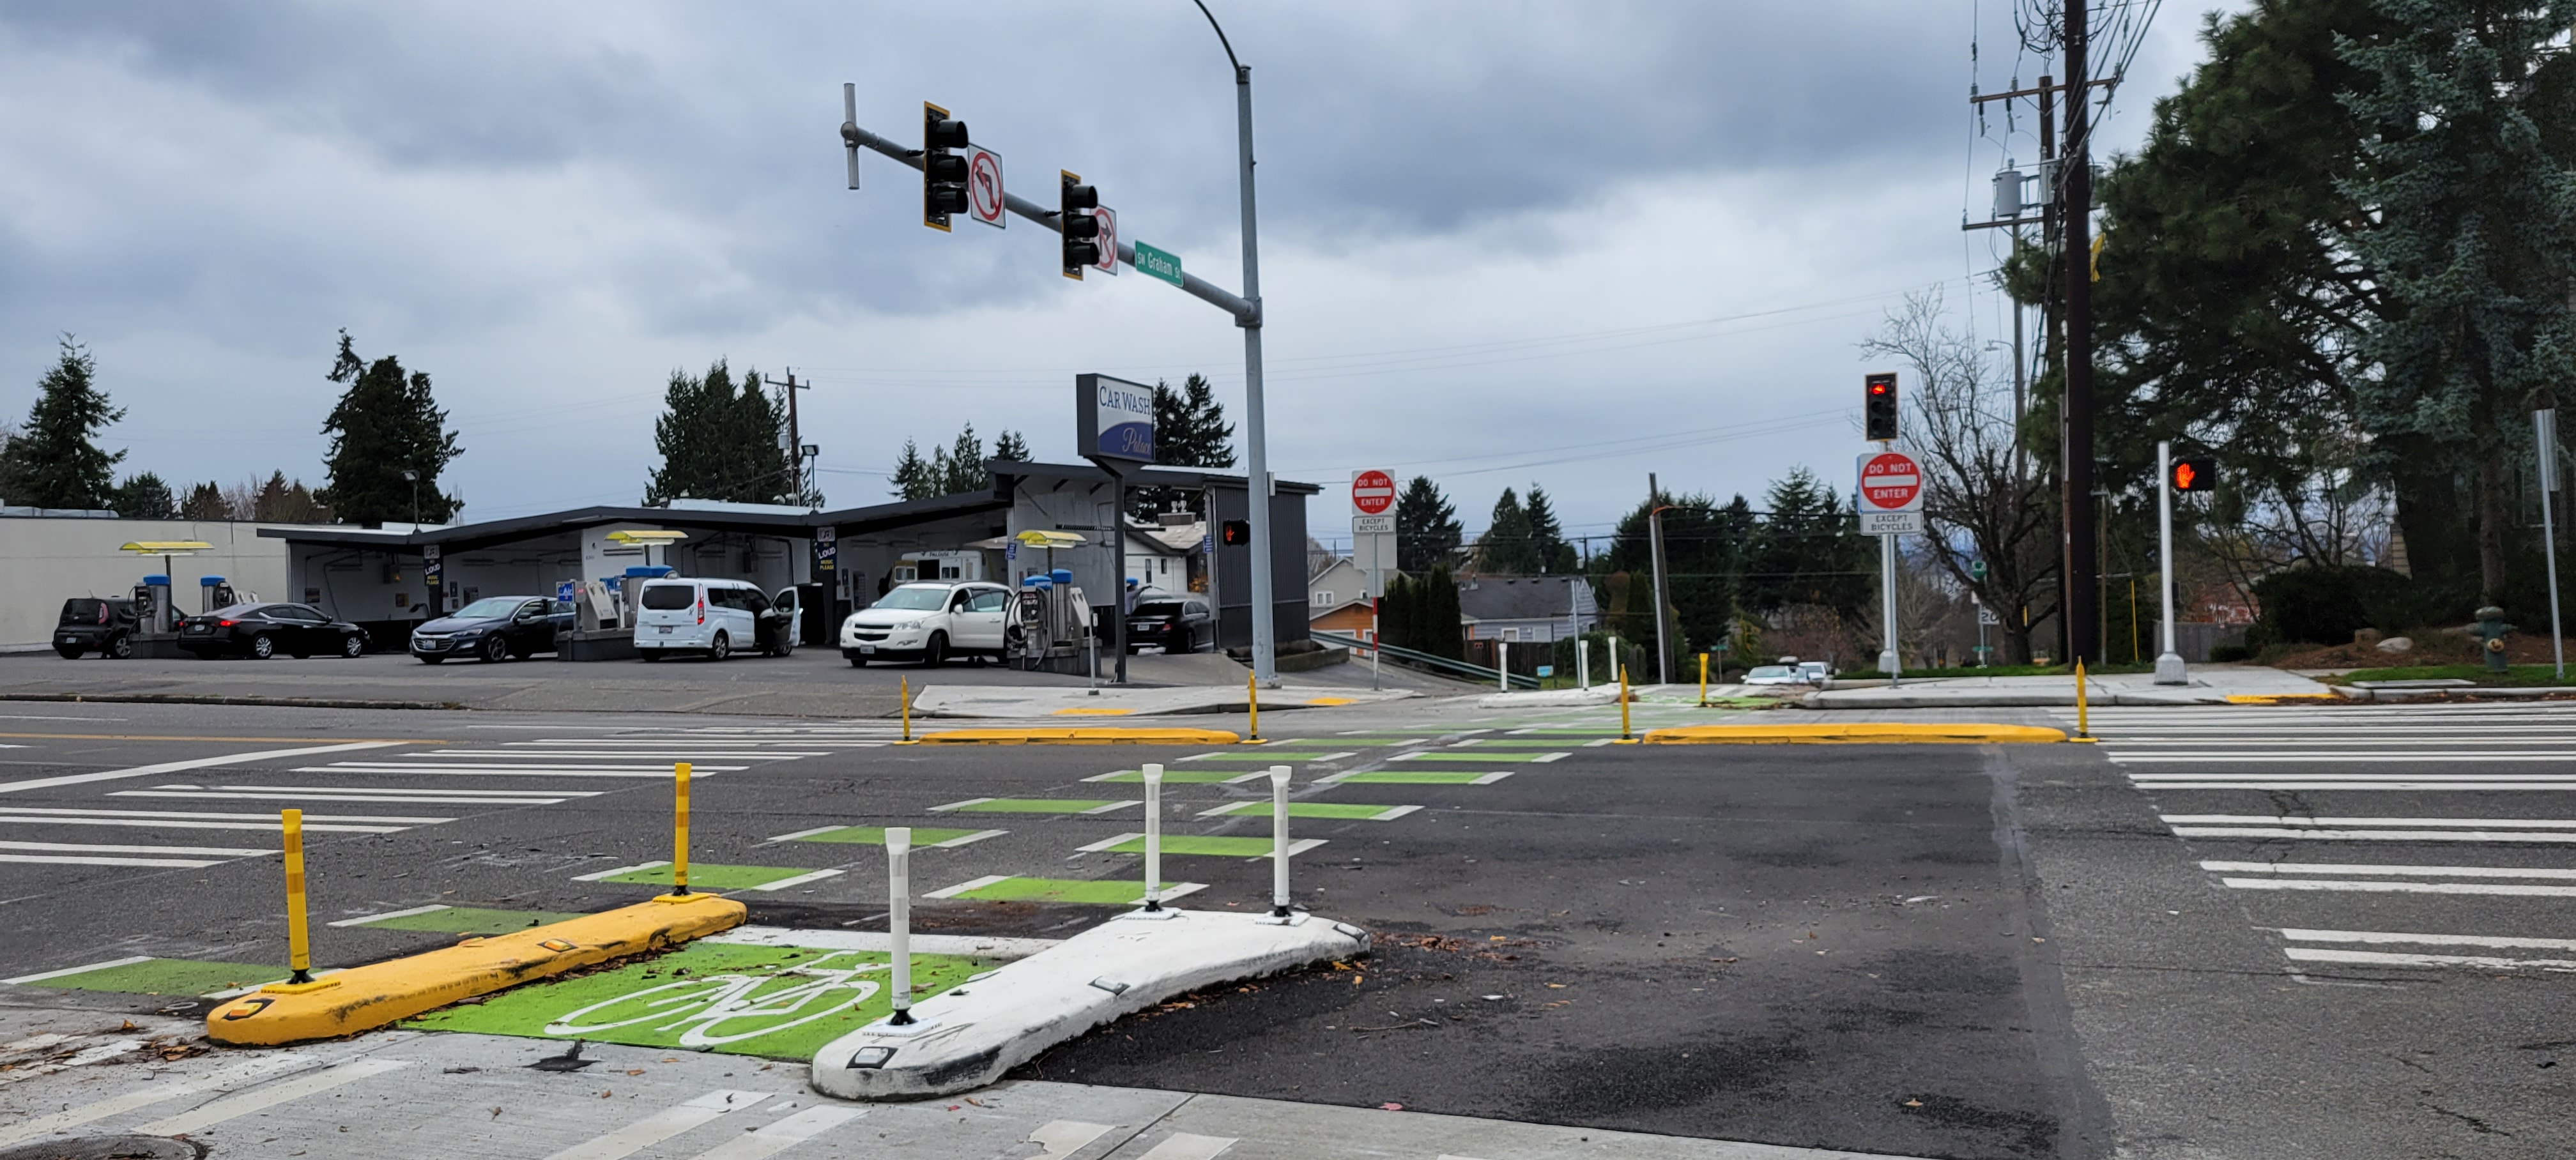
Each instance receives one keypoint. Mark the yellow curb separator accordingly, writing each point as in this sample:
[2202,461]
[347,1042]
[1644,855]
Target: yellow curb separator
[368,997]
[1328,702]
[1080,735]
[2279,698]
[1855,733]
[1091,712]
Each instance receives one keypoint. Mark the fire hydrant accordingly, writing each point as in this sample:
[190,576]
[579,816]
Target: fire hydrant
[2491,631]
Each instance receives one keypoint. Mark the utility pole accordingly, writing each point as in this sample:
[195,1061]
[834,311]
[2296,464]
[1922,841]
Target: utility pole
[2083,636]
[1655,536]
[795,434]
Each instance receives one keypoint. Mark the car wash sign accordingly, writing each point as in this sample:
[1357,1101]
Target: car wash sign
[1114,418]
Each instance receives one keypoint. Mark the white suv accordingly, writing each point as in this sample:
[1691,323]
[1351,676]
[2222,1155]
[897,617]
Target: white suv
[712,617]
[929,622]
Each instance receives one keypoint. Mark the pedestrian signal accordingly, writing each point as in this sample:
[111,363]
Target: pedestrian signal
[1237,533]
[2199,473]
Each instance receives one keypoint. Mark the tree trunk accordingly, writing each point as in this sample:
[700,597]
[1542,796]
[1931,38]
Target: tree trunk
[2491,579]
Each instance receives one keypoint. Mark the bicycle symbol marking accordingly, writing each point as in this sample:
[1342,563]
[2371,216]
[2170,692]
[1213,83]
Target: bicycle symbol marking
[698,1007]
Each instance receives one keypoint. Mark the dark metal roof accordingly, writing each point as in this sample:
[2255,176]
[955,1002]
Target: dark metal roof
[1006,470]
[1517,597]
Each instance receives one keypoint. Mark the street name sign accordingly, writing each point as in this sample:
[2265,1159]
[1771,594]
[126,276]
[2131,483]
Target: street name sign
[984,200]
[1155,263]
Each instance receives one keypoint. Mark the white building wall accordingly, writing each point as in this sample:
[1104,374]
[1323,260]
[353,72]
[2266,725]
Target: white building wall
[44,562]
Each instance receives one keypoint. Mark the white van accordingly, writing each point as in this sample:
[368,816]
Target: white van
[714,618]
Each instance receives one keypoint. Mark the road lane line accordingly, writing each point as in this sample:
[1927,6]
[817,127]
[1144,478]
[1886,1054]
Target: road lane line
[2323,755]
[2378,868]
[66,812]
[268,1097]
[423,797]
[2389,938]
[617,870]
[798,880]
[2278,820]
[772,1139]
[194,763]
[2385,959]
[250,1070]
[41,976]
[432,908]
[2340,886]
[81,848]
[2375,835]
[662,1125]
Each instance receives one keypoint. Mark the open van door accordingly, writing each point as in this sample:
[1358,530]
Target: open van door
[779,626]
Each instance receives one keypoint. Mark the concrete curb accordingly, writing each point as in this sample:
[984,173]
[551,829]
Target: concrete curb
[222,699]
[2465,693]
[968,1036]
[368,997]
[1081,736]
[1855,733]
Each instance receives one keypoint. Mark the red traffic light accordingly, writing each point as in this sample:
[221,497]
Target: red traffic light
[1879,388]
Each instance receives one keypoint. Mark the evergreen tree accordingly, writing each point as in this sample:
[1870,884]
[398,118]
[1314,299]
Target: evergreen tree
[386,423]
[1438,621]
[1189,426]
[1808,550]
[2473,180]
[1426,527]
[206,502]
[1011,447]
[144,497]
[1547,537]
[1189,431]
[962,465]
[1706,546]
[914,477]
[1507,548]
[52,461]
[280,502]
[722,440]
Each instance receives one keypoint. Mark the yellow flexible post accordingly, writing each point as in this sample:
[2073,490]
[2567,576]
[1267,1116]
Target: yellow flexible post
[299,949]
[2081,719]
[1703,680]
[680,830]
[907,709]
[1252,698]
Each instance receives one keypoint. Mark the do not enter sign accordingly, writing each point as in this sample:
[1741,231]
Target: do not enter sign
[1890,481]
[1372,493]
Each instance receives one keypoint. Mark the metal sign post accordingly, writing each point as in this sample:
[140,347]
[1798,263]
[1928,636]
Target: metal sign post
[2169,667]
[1890,496]
[2544,431]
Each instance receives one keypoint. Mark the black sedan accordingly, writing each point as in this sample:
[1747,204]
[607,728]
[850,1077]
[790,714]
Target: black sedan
[495,628]
[1178,625]
[262,631]
[93,624]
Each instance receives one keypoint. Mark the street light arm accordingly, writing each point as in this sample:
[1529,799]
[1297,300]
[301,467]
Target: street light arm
[1220,37]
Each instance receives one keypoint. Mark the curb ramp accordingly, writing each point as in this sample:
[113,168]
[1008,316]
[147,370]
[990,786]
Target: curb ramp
[1855,733]
[368,997]
[1081,736]
[968,1036]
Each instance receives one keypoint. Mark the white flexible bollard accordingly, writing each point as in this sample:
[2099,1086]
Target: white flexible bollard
[1153,772]
[898,841]
[1279,911]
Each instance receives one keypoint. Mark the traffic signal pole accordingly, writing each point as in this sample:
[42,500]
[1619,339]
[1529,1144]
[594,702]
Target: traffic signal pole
[2078,600]
[1245,308]
[2169,666]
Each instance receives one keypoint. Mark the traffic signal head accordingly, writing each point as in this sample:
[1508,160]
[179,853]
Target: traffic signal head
[1878,408]
[1074,203]
[943,174]
[2197,473]
[1236,533]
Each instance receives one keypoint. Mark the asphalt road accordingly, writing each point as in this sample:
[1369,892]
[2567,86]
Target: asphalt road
[1956,951]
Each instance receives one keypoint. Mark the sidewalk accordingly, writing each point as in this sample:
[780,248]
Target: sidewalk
[2210,685]
[1110,701]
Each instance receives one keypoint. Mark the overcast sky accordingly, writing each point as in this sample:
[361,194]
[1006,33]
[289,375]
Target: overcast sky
[1570,243]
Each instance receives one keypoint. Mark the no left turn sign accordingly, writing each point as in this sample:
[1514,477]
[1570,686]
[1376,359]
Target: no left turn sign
[984,201]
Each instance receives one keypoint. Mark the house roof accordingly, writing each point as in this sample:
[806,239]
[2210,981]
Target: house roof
[1011,469]
[1522,597]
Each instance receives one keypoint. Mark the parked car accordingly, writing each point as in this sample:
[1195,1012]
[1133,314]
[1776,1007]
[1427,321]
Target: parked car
[712,618]
[495,628]
[96,624]
[1177,624]
[929,622]
[261,631]
[1775,675]
[1817,671]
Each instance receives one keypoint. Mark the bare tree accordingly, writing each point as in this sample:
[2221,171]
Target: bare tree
[1979,501]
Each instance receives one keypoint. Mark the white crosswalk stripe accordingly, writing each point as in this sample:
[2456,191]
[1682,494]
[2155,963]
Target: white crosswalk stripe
[2258,787]
[514,769]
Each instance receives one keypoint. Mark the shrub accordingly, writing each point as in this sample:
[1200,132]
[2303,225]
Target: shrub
[2319,604]
[2224,653]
